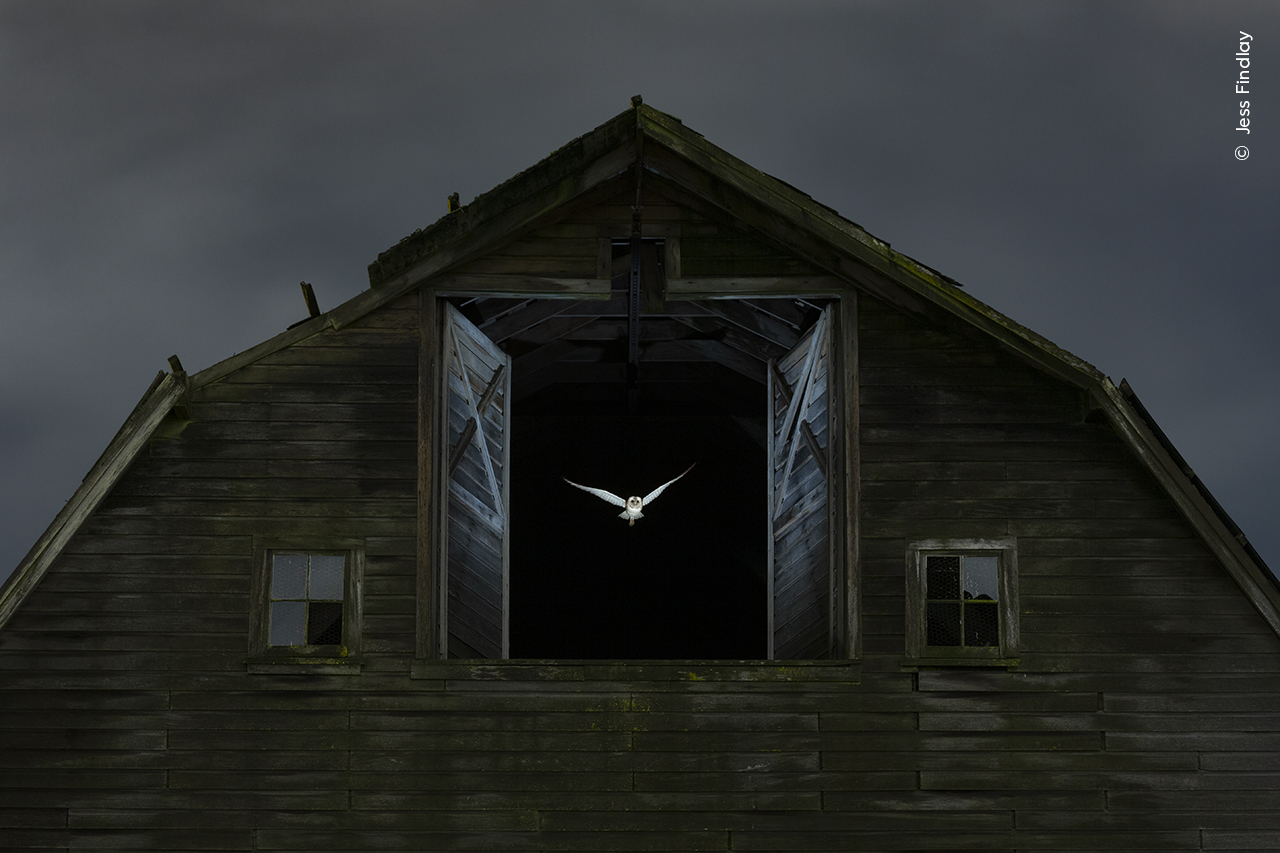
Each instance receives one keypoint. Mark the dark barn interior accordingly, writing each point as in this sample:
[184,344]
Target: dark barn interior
[688,579]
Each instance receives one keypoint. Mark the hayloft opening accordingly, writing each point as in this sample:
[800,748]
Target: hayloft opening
[689,580]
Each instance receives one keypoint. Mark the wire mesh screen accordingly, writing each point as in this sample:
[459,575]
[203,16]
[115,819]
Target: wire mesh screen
[307,598]
[961,593]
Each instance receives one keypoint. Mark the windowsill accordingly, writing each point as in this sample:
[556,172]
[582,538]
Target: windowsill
[915,664]
[287,664]
[834,671]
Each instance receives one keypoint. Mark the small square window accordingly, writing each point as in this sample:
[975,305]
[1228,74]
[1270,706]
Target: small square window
[307,593]
[962,600]
[307,603]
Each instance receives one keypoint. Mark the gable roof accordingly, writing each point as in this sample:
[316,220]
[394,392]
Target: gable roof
[770,208]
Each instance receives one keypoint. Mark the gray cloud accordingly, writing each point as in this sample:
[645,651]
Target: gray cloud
[173,170]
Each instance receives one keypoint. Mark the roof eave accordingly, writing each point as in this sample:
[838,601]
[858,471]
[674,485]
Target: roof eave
[137,430]
[1204,516]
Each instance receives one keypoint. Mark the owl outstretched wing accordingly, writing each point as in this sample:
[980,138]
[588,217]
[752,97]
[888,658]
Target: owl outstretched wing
[600,493]
[652,495]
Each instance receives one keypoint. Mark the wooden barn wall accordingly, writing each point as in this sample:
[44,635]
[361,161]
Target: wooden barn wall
[1147,699]
[1143,715]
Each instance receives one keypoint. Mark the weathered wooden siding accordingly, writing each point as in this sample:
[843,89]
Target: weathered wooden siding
[1144,710]
[1142,716]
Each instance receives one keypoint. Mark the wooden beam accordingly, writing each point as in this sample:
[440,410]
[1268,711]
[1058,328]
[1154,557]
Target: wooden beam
[780,382]
[543,287]
[526,318]
[739,287]
[429,615]
[498,381]
[705,350]
[845,453]
[455,456]
[811,441]
[744,314]
[309,296]
[745,342]
[653,279]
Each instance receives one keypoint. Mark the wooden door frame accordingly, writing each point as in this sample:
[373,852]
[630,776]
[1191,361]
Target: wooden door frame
[844,507]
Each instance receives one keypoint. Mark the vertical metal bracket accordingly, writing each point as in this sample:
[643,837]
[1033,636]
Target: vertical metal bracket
[633,285]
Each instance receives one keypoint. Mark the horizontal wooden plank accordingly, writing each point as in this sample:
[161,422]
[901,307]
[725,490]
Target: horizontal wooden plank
[1184,840]
[692,782]
[710,741]
[1083,803]
[371,747]
[355,840]
[1192,800]
[1221,839]
[286,448]
[314,394]
[163,839]
[1215,741]
[601,801]
[840,748]
[648,721]
[478,820]
[778,819]
[83,779]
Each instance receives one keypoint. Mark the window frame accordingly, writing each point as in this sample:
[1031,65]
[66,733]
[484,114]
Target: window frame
[346,652]
[917,647]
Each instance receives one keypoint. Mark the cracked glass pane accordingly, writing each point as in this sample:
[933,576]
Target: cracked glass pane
[982,578]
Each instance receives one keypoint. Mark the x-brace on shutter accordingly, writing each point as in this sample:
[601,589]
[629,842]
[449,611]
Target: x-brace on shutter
[475,525]
[802,597]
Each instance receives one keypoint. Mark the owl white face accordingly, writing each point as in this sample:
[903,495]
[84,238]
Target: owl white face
[633,503]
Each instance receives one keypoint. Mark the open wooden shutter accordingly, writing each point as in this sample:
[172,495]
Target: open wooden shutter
[801,598]
[475,527]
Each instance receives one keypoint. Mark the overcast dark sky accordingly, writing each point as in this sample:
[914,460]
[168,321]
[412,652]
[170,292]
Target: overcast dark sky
[172,170]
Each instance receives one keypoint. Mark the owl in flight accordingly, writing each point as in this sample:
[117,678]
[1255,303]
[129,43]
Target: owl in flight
[632,505]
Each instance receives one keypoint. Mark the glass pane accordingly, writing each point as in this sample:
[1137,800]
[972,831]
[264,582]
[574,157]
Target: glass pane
[981,623]
[288,576]
[944,624]
[943,577]
[327,577]
[981,578]
[324,625]
[286,623]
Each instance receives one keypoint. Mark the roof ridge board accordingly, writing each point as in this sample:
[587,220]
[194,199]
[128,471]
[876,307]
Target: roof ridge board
[119,454]
[586,149]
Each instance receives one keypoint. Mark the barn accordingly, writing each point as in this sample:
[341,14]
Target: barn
[931,582]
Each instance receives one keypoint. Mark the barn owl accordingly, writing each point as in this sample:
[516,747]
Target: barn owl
[632,505]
